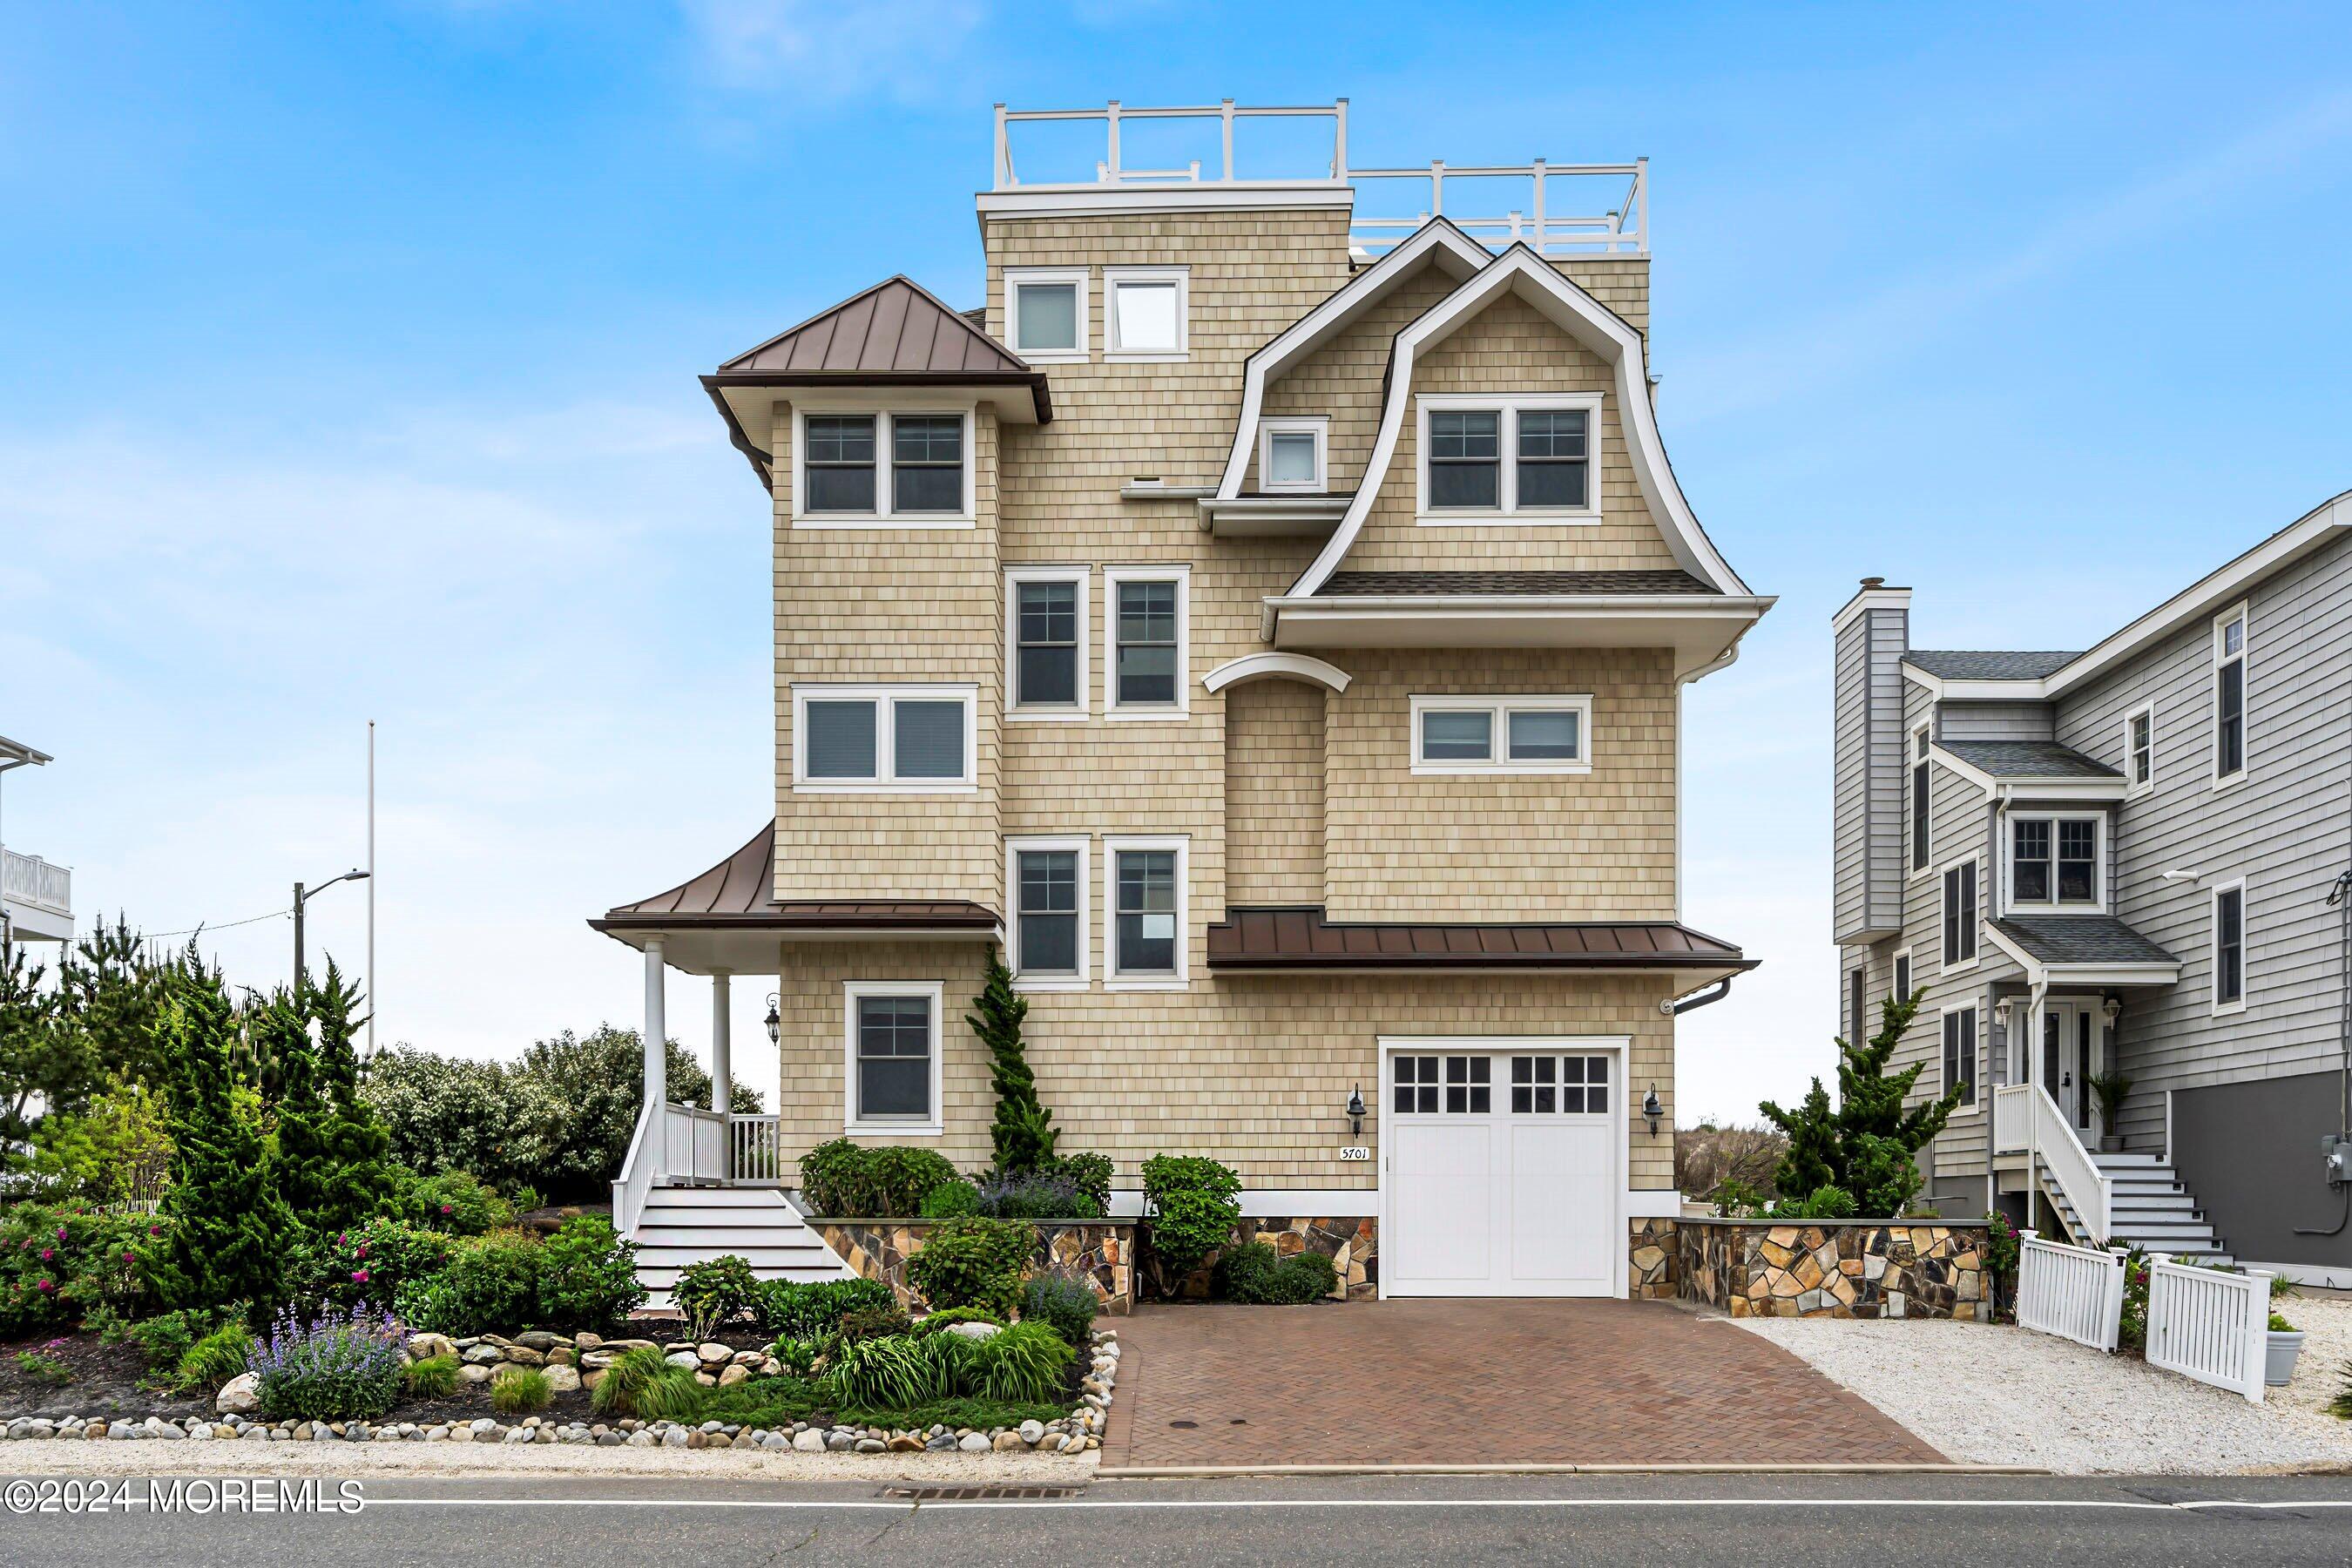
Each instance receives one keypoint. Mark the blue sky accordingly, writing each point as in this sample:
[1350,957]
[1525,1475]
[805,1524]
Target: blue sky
[346,359]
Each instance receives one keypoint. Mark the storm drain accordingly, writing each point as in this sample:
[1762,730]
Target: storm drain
[979,1494]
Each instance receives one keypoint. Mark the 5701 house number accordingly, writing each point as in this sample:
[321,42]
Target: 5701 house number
[1356,1152]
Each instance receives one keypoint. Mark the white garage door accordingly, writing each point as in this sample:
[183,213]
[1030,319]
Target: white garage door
[1502,1173]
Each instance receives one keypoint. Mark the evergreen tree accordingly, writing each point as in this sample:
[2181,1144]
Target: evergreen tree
[1867,1144]
[39,1056]
[112,994]
[333,1150]
[225,1228]
[1024,1132]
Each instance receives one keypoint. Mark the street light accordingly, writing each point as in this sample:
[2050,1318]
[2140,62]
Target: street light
[303,898]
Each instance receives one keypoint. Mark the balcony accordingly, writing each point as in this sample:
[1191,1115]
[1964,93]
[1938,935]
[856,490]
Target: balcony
[37,896]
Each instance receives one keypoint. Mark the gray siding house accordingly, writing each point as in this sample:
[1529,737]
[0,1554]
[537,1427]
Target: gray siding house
[2135,859]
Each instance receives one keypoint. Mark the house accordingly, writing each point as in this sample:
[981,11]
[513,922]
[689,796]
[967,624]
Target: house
[36,897]
[1268,625]
[2127,860]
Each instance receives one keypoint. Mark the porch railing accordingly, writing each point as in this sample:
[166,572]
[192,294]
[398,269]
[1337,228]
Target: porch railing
[2210,1325]
[2026,1120]
[758,1147]
[2070,1292]
[684,1145]
[30,879]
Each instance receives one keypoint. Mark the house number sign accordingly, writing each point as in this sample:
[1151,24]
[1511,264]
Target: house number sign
[1356,1152]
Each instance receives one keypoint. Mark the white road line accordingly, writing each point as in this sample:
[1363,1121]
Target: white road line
[1244,1505]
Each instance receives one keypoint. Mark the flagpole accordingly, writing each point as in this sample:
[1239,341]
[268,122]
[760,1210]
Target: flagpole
[373,1005]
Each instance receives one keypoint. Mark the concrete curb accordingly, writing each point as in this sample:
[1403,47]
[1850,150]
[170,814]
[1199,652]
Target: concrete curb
[1171,1472]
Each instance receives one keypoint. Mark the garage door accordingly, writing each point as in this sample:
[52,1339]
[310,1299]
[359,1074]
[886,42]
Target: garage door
[1502,1173]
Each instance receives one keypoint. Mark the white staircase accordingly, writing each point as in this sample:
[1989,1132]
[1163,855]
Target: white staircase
[680,1226]
[2152,1210]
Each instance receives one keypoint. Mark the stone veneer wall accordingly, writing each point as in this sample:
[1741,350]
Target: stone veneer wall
[1652,1254]
[1866,1268]
[1352,1243]
[1105,1249]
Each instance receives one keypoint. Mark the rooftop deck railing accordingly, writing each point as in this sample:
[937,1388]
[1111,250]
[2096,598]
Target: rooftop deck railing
[1621,229]
[30,879]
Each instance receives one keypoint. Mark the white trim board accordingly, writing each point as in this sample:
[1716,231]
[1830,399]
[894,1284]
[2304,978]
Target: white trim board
[851,991]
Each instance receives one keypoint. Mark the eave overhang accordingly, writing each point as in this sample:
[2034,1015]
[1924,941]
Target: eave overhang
[2039,972]
[1702,629]
[747,399]
[1272,517]
[1300,941]
[2063,789]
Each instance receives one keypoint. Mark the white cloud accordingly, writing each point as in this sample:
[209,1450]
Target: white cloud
[829,52]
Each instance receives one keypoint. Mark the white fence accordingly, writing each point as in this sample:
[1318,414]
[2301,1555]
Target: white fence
[759,1150]
[2070,1292]
[2211,1326]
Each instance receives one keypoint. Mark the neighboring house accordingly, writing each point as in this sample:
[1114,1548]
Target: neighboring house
[1269,630]
[2131,859]
[36,897]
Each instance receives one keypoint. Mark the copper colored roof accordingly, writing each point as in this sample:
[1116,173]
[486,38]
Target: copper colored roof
[739,892]
[1304,939]
[895,327]
[1406,584]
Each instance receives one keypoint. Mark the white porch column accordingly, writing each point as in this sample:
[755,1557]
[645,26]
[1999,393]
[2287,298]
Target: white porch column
[656,1028]
[722,1081]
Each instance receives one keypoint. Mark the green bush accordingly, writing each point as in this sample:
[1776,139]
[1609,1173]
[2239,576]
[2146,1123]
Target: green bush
[885,1372]
[1190,1209]
[165,1338]
[974,1262]
[713,1292]
[631,1373]
[1254,1274]
[1026,1363]
[844,1181]
[953,1198]
[673,1396]
[1826,1201]
[338,1367]
[797,1357]
[44,1368]
[1090,1173]
[947,1317]
[214,1359]
[491,1286]
[874,1323]
[1062,1300]
[812,1309]
[457,1202]
[372,1263]
[435,1377]
[520,1391]
[588,1275]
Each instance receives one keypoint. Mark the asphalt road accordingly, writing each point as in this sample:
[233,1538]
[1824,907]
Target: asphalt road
[1798,1519]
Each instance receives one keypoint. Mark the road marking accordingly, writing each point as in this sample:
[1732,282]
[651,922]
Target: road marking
[1244,1504]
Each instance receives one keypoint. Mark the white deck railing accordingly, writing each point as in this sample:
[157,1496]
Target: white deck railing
[2026,1120]
[2208,1325]
[30,879]
[684,1145]
[759,1150]
[2070,1292]
[1621,229]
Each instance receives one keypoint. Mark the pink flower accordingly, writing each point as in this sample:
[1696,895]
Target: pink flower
[126,1258]
[343,1238]
[48,1252]
[361,1253]
[155,1230]
[45,1285]
[448,1208]
[61,1233]
[359,1276]
[55,1345]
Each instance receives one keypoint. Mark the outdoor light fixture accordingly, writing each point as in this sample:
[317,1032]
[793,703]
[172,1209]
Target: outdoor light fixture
[1356,1111]
[775,1021]
[1652,1111]
[2111,1009]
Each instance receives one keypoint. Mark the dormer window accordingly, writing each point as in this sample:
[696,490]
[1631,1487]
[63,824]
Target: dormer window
[1512,458]
[838,461]
[1290,456]
[1045,313]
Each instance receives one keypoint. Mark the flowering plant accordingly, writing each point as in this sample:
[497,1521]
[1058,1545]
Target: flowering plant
[57,1264]
[340,1366]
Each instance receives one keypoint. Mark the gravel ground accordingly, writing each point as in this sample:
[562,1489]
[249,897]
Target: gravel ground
[2326,1365]
[2003,1396]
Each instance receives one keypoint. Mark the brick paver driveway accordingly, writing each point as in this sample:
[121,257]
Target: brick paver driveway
[1477,1382]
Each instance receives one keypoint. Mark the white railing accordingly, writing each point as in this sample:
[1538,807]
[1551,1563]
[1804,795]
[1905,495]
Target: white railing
[680,1146]
[2070,1292]
[2026,1120]
[640,1169]
[1619,229]
[2208,1325]
[30,879]
[759,1150]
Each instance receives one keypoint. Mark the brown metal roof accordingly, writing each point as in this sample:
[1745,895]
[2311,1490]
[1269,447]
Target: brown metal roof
[739,892]
[1303,938]
[1389,584]
[895,327]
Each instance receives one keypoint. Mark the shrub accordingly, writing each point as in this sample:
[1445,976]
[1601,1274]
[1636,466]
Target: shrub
[1023,1133]
[340,1367]
[520,1391]
[625,1381]
[1026,1363]
[883,1374]
[812,1309]
[59,1264]
[1190,1202]
[972,1262]
[798,1357]
[1825,1202]
[1090,1173]
[44,1368]
[874,1323]
[949,1317]
[166,1339]
[373,1263]
[713,1292]
[841,1179]
[2341,1405]
[491,1284]
[1062,1300]
[1256,1275]
[214,1359]
[952,1199]
[435,1377]
[457,1202]
[588,1275]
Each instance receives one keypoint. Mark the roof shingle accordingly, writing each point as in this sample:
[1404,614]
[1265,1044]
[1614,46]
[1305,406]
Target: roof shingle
[2029,759]
[2080,939]
[1988,664]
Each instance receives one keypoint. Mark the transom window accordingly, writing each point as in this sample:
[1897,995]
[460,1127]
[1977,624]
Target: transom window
[2230,696]
[1144,310]
[1147,629]
[1045,313]
[1512,456]
[2054,860]
[1045,610]
[1567,1086]
[851,737]
[1048,932]
[1145,894]
[1529,734]
[892,1078]
[840,457]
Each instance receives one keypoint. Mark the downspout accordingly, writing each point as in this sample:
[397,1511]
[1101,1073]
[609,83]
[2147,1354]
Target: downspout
[1704,997]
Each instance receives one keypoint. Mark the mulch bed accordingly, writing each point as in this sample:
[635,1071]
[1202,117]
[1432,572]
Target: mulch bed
[106,1381]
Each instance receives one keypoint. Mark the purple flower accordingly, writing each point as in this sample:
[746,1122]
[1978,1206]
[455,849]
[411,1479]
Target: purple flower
[45,1287]
[155,1230]
[126,1258]
[55,1345]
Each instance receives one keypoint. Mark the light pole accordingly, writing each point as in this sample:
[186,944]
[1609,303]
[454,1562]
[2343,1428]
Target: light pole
[302,897]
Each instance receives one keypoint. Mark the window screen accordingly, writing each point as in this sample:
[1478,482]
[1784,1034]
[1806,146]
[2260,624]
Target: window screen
[1049,911]
[838,740]
[1465,459]
[894,1057]
[928,739]
[1046,670]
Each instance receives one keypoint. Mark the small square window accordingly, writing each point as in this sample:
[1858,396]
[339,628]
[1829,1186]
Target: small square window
[1547,735]
[1147,315]
[1045,318]
[838,740]
[928,739]
[1457,736]
[1416,1084]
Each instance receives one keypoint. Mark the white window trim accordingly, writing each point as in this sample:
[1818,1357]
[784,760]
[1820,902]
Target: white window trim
[1112,979]
[1013,848]
[1182,707]
[2245,656]
[1075,275]
[2220,1008]
[1895,963]
[851,1123]
[2133,787]
[1919,865]
[1116,353]
[1014,577]
[1507,406]
[1318,426]
[1976,947]
[882,516]
[885,740]
[2010,904]
[1977,1102]
[1500,706]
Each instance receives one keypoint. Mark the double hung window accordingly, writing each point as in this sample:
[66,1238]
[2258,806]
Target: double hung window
[841,459]
[1147,626]
[2230,697]
[1049,908]
[1960,915]
[1523,457]
[1046,612]
[893,1079]
[1145,894]
[1960,1053]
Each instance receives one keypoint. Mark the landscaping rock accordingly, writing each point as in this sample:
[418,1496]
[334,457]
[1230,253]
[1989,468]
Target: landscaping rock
[684,1358]
[973,1443]
[1031,1430]
[587,1342]
[562,1379]
[1006,1442]
[239,1394]
[424,1347]
[539,1340]
[974,1331]
[712,1353]
[483,1355]
[475,1374]
[809,1442]
[523,1355]
[733,1375]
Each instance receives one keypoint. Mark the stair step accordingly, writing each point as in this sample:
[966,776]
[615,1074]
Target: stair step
[727,1237]
[755,1198]
[713,1214]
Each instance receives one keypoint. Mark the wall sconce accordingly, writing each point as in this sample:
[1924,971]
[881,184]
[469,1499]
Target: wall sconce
[2111,1009]
[774,1020]
[1652,1111]
[1356,1112]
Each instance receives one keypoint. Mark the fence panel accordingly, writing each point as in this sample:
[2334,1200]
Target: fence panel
[2070,1292]
[2211,1326]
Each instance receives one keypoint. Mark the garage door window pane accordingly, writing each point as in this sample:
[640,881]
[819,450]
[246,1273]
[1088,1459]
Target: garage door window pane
[1468,1086]
[1534,1087]
[1416,1084]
